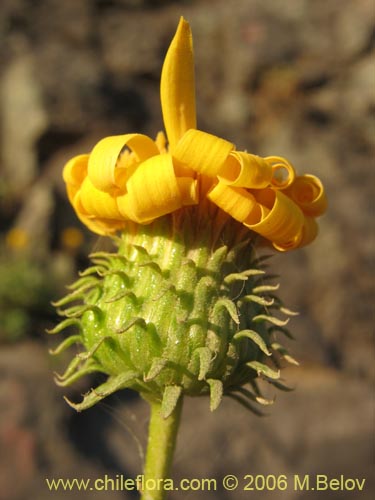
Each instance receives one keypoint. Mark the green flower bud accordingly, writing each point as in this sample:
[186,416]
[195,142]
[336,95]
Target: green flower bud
[184,307]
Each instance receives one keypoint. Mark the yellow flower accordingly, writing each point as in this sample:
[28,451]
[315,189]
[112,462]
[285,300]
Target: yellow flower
[71,238]
[134,178]
[17,238]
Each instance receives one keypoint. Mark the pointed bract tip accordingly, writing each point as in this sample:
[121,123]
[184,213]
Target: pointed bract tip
[71,404]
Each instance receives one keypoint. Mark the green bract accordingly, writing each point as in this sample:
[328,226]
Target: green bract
[182,307]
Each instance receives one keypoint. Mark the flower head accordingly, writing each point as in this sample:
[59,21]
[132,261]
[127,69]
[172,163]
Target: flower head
[132,178]
[183,306]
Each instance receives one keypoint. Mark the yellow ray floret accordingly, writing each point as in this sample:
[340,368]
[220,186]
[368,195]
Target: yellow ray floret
[154,190]
[202,152]
[281,219]
[106,154]
[177,88]
[237,202]
[134,178]
[308,192]
[246,170]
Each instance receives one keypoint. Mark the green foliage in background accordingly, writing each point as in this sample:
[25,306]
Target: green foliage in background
[25,294]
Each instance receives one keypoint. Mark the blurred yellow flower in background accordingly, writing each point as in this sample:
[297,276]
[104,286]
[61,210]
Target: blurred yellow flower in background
[17,238]
[71,238]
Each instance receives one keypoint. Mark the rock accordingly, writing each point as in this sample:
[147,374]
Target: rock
[23,119]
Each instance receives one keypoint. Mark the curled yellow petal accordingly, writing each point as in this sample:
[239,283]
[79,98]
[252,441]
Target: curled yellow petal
[95,224]
[309,232]
[105,155]
[308,192]
[152,190]
[97,203]
[177,87]
[103,227]
[237,202]
[124,205]
[283,173]
[204,153]
[246,170]
[281,219]
[74,172]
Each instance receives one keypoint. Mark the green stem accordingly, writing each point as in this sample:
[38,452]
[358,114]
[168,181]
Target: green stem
[160,448]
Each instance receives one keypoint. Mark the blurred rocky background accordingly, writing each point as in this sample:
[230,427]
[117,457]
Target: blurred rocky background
[294,78]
